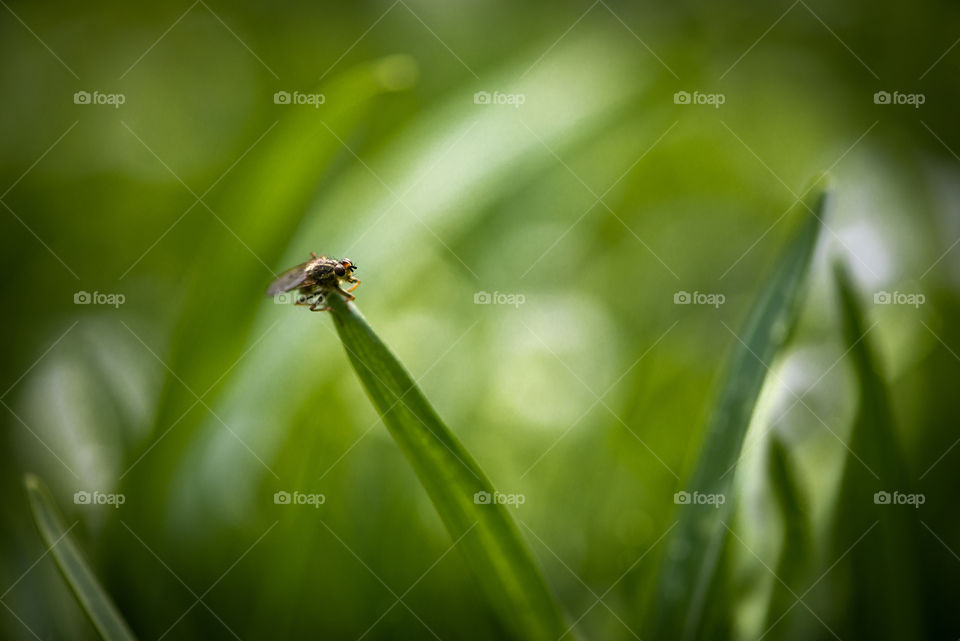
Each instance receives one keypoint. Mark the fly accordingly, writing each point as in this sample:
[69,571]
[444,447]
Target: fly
[314,279]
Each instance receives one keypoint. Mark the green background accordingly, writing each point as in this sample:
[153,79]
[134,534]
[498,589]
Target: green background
[596,200]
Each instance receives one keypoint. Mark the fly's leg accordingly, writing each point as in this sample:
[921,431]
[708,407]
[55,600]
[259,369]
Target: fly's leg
[346,293]
[312,301]
[356,282]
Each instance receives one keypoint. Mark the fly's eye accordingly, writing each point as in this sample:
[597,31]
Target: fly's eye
[339,270]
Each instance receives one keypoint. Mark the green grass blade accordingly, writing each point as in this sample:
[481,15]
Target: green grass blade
[795,555]
[882,563]
[91,595]
[488,538]
[694,550]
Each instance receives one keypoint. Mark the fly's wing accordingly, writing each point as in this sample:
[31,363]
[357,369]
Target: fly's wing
[290,279]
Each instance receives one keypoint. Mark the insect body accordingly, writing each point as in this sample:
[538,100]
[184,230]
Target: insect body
[314,279]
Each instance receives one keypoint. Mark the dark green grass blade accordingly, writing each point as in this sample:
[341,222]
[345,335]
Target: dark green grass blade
[795,556]
[91,595]
[488,538]
[882,561]
[694,550]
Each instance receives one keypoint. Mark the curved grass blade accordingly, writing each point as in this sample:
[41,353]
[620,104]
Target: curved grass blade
[795,555]
[84,585]
[486,535]
[693,554]
[883,562]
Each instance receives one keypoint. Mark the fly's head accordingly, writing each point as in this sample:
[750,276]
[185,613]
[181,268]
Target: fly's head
[343,269]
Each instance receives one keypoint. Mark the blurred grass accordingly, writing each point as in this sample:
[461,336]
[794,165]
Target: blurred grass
[690,567]
[796,553]
[450,158]
[865,531]
[82,581]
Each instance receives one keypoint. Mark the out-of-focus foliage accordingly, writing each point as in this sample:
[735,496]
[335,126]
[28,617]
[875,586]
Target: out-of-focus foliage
[694,554]
[77,574]
[583,213]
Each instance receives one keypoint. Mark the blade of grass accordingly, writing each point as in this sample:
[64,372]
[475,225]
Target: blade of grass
[694,550]
[717,617]
[488,538]
[93,599]
[796,551]
[883,564]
